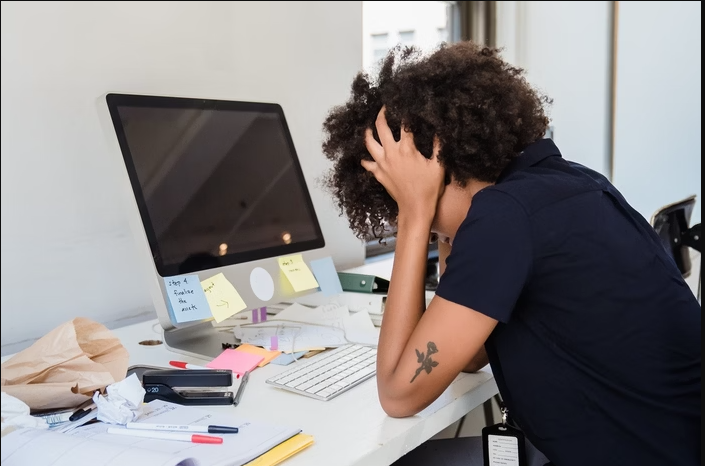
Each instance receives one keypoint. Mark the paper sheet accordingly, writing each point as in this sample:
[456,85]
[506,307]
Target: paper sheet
[332,315]
[327,276]
[360,329]
[292,337]
[187,299]
[297,272]
[93,446]
[299,328]
[48,448]
[223,298]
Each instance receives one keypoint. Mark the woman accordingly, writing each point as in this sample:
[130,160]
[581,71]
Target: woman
[591,332]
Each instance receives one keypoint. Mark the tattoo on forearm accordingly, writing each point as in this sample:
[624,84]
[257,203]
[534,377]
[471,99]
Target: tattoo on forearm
[427,364]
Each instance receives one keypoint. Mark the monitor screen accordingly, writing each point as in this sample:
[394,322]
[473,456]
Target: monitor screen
[216,182]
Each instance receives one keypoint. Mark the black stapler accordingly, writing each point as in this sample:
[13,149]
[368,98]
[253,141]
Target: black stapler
[182,386]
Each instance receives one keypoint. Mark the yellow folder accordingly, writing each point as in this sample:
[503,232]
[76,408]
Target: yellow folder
[283,451]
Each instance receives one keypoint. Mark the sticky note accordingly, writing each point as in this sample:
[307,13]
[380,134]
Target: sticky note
[285,359]
[237,361]
[255,316]
[266,355]
[187,299]
[327,276]
[297,272]
[223,298]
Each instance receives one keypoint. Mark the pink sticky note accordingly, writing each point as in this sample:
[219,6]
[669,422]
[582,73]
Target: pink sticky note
[255,316]
[237,361]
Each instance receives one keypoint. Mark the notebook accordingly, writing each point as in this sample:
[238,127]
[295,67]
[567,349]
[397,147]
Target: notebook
[92,446]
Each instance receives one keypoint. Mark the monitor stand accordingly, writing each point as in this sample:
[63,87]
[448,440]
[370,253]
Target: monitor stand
[202,340]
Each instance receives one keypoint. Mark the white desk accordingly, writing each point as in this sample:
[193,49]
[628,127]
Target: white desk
[351,429]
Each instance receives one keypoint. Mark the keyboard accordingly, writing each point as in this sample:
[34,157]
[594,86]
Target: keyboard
[329,373]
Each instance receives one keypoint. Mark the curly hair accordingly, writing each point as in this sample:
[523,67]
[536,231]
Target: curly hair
[482,110]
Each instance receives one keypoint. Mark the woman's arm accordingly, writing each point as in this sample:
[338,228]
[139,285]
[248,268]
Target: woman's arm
[480,360]
[421,353]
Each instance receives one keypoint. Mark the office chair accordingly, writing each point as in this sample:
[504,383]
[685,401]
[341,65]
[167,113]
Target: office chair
[671,224]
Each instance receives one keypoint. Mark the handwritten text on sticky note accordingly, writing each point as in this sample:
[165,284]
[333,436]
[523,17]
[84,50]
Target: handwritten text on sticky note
[187,298]
[222,296]
[298,273]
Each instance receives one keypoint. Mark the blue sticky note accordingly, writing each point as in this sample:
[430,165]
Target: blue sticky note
[285,359]
[186,297]
[326,276]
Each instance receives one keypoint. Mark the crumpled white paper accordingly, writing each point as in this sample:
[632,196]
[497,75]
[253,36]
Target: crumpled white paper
[16,413]
[123,403]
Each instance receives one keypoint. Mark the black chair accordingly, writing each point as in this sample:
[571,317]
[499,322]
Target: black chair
[671,224]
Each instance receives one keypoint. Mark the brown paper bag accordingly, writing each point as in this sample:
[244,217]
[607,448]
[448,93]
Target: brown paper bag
[66,366]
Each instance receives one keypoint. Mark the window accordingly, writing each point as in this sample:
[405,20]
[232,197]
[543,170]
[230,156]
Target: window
[380,46]
[387,24]
[407,37]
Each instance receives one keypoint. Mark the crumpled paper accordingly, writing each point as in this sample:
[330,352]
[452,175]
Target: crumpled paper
[66,366]
[123,403]
[16,413]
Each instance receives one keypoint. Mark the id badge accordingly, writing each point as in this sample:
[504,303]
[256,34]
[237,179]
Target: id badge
[503,445]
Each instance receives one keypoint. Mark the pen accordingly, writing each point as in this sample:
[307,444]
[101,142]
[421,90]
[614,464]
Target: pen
[79,414]
[178,436]
[241,388]
[183,428]
[185,365]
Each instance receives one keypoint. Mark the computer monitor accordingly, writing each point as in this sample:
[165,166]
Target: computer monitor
[216,187]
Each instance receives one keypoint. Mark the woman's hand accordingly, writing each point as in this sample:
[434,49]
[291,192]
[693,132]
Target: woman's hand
[413,181]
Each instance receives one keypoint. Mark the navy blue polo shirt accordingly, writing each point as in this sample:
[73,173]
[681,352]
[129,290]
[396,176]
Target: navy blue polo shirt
[597,350]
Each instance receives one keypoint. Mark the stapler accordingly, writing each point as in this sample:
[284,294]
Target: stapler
[182,386]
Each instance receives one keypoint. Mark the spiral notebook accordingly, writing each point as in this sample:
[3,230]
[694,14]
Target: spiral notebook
[92,446]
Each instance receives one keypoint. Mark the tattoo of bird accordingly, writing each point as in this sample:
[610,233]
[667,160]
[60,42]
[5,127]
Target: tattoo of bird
[427,364]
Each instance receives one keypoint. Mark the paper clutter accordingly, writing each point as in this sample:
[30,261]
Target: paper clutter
[15,413]
[64,367]
[123,402]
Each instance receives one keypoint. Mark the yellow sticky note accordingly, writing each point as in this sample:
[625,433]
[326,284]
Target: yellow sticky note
[298,273]
[223,298]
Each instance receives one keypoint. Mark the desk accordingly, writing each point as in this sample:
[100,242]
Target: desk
[351,429]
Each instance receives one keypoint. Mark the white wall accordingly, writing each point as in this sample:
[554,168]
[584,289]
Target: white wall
[565,47]
[66,246]
[657,124]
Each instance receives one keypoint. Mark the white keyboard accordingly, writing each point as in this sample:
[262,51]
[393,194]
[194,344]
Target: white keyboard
[330,373]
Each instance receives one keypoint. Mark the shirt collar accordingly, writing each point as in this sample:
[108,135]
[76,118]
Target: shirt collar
[533,154]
